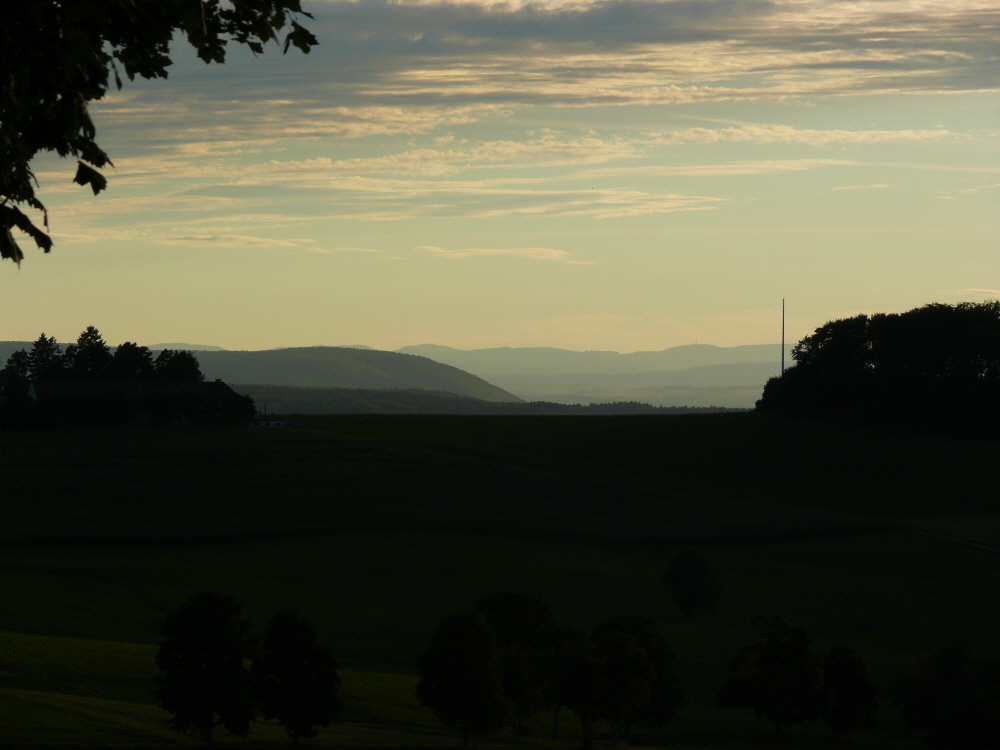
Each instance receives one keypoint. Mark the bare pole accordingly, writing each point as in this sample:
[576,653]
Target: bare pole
[782,335]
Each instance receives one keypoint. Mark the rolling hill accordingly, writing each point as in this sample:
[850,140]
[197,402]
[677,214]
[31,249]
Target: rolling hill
[333,367]
[341,367]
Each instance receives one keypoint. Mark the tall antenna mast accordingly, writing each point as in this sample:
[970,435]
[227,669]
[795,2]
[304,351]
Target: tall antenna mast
[782,335]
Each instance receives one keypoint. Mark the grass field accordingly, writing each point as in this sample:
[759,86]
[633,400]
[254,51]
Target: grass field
[372,527]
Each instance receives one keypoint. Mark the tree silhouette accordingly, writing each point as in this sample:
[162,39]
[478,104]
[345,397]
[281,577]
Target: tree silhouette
[955,701]
[579,679]
[19,363]
[559,648]
[58,56]
[91,356]
[45,360]
[177,365]
[461,677]
[520,623]
[852,696]
[935,368]
[519,620]
[628,675]
[665,694]
[776,676]
[131,362]
[296,677]
[691,581]
[204,682]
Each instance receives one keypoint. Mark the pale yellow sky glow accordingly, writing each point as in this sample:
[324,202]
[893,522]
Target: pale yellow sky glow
[618,174]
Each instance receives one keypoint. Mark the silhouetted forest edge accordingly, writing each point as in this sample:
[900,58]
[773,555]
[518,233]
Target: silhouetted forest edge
[934,369]
[289,400]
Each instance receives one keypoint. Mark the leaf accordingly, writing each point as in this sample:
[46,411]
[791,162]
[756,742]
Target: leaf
[301,37]
[86,175]
[9,249]
[13,217]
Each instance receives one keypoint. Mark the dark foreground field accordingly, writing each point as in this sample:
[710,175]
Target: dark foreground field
[374,526]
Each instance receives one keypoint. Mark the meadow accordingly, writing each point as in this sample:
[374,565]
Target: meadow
[372,527]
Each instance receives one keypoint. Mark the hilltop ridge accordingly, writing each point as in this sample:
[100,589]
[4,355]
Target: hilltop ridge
[346,367]
[333,367]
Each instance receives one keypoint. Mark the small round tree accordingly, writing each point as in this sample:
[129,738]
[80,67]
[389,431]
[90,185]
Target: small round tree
[296,677]
[629,675]
[520,622]
[666,695]
[692,583]
[852,702]
[461,677]
[204,682]
[776,676]
[579,679]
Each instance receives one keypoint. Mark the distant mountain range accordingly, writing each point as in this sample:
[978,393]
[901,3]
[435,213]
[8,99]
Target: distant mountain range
[548,361]
[187,347]
[691,375]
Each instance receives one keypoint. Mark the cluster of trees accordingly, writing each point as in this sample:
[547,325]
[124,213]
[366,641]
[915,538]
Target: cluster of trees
[779,678]
[216,673]
[500,662]
[935,367]
[505,659]
[91,358]
[89,383]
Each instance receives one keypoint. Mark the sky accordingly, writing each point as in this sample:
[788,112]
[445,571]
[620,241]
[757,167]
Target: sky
[613,174]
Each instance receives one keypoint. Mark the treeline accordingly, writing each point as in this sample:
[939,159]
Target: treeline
[935,368]
[91,358]
[499,663]
[311,400]
[89,383]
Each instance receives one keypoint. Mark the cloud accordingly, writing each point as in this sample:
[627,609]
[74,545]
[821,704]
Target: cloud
[414,67]
[223,240]
[979,292]
[750,167]
[974,190]
[788,134]
[332,251]
[537,253]
[862,187]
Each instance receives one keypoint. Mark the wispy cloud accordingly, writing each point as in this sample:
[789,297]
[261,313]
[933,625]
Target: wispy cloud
[223,240]
[979,292]
[877,185]
[810,137]
[334,250]
[416,67]
[537,253]
[978,188]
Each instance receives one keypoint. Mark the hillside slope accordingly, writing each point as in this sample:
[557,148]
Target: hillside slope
[338,367]
[332,367]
